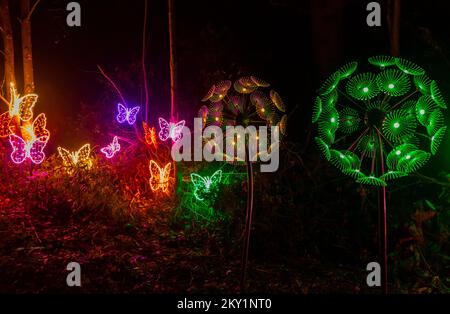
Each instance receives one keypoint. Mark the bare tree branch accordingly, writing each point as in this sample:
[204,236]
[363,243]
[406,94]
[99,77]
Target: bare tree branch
[112,83]
[33,8]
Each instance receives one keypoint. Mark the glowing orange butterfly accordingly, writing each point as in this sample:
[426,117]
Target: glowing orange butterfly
[159,179]
[149,134]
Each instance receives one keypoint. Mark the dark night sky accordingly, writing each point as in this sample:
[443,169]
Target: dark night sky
[292,44]
[213,42]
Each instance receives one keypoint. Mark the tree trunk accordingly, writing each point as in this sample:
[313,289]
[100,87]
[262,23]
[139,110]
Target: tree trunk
[396,30]
[394,8]
[27,54]
[8,44]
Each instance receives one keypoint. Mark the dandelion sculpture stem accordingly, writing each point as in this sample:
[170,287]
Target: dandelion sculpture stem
[248,219]
[382,112]
[384,283]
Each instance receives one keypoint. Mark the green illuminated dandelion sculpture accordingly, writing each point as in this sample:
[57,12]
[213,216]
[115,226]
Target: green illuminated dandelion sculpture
[379,122]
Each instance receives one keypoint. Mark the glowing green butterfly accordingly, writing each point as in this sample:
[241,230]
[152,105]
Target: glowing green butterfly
[206,187]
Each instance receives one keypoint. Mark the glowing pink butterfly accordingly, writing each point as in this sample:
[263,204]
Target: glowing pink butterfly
[170,130]
[34,149]
[127,114]
[112,148]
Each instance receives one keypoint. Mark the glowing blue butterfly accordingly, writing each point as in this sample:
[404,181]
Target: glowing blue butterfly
[127,114]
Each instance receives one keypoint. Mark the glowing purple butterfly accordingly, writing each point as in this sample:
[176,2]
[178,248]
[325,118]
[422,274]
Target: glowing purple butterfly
[112,148]
[170,130]
[34,149]
[127,114]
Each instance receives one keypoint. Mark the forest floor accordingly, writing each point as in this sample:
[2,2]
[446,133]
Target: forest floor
[156,257]
[155,246]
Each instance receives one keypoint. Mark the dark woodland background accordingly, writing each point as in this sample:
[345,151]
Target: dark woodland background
[315,230]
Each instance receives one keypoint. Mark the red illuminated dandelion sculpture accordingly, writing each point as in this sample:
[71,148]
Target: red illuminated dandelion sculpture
[248,103]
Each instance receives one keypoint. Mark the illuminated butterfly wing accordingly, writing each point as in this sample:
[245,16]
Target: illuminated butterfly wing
[83,157]
[177,131]
[164,132]
[132,115]
[19,147]
[26,105]
[116,144]
[66,156]
[5,121]
[155,175]
[36,152]
[39,126]
[215,179]
[198,180]
[108,151]
[121,113]
[199,186]
[165,175]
